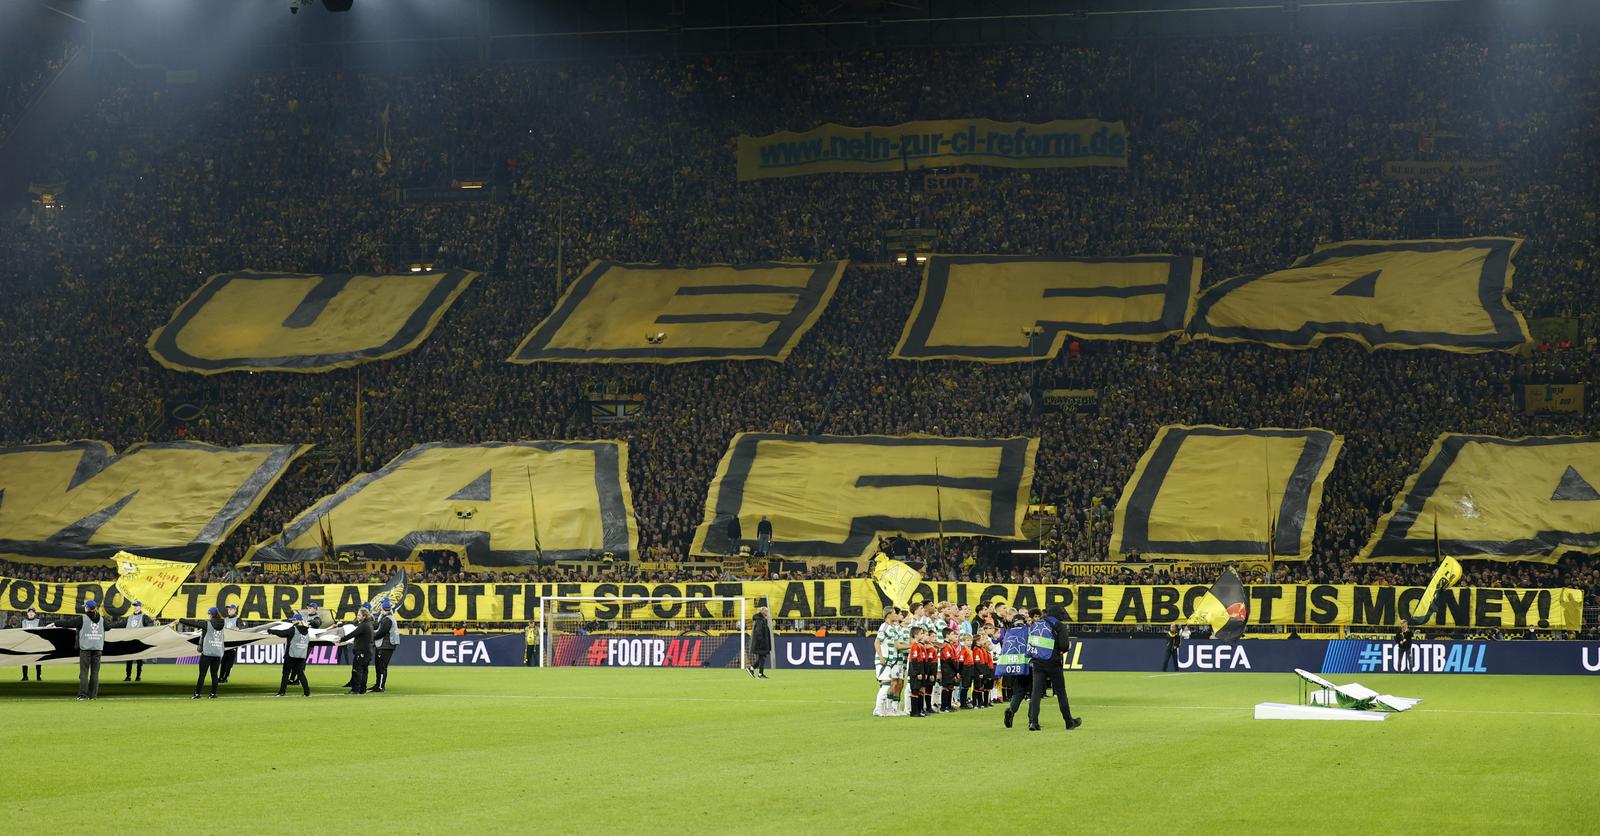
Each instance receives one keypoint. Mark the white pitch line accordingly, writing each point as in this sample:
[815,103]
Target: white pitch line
[743,701]
[1157,675]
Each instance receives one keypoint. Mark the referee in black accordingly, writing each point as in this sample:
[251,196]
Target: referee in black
[1049,672]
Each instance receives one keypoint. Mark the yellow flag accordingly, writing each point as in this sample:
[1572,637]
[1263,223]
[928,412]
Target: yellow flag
[895,578]
[149,581]
[1447,575]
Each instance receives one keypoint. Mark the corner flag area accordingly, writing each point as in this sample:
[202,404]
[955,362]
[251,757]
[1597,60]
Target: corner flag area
[583,750]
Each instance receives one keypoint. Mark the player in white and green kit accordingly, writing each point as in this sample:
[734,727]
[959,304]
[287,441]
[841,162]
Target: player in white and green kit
[890,649]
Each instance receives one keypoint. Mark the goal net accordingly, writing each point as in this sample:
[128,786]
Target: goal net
[644,632]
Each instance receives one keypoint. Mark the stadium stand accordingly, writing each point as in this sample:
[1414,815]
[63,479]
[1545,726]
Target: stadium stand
[1247,152]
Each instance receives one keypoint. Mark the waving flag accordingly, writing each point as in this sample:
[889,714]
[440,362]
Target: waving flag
[394,590]
[149,581]
[1225,607]
[896,579]
[1447,575]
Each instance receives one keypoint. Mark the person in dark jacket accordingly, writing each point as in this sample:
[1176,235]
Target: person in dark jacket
[1049,672]
[91,628]
[763,537]
[296,646]
[213,645]
[361,651]
[134,671]
[31,619]
[1173,642]
[760,643]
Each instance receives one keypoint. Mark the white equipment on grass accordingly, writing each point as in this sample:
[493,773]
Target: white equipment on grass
[1328,701]
[663,632]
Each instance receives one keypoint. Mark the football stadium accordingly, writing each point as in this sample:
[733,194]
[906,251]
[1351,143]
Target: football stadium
[673,416]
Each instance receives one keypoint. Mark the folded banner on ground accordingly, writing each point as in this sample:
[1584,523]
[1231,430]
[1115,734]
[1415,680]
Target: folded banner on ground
[1442,294]
[496,504]
[1217,494]
[1280,604]
[1493,498]
[303,322]
[1062,143]
[177,500]
[1007,309]
[650,313]
[833,496]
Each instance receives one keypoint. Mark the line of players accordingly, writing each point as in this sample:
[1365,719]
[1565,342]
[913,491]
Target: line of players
[944,653]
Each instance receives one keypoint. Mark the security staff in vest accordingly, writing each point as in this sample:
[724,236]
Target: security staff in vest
[296,646]
[212,647]
[385,638]
[135,670]
[360,651]
[231,622]
[313,619]
[1173,642]
[31,619]
[1049,672]
[91,629]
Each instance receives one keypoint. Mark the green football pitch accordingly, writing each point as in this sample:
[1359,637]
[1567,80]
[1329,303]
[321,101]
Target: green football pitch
[675,751]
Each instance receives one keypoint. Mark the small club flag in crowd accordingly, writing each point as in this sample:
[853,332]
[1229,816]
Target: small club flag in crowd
[895,578]
[394,590]
[150,581]
[1225,607]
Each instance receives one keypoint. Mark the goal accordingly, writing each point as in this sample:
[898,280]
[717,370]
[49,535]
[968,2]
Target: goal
[578,631]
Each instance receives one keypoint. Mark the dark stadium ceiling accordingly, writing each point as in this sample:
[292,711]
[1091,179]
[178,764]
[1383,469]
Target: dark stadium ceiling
[519,30]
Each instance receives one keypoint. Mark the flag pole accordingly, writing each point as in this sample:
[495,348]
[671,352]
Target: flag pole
[533,514]
[938,506]
[1266,489]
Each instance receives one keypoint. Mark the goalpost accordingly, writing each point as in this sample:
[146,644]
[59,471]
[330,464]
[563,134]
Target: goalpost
[662,632]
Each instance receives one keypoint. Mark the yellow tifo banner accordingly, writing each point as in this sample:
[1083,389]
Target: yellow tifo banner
[1062,143]
[69,502]
[1493,498]
[649,313]
[834,496]
[496,504]
[303,322]
[1213,494]
[1006,309]
[1442,294]
[1280,604]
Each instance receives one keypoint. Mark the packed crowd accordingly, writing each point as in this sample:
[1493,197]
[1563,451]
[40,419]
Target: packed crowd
[1246,152]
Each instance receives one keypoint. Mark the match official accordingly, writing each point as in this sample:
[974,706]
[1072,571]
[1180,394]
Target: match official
[31,619]
[135,619]
[386,637]
[296,646]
